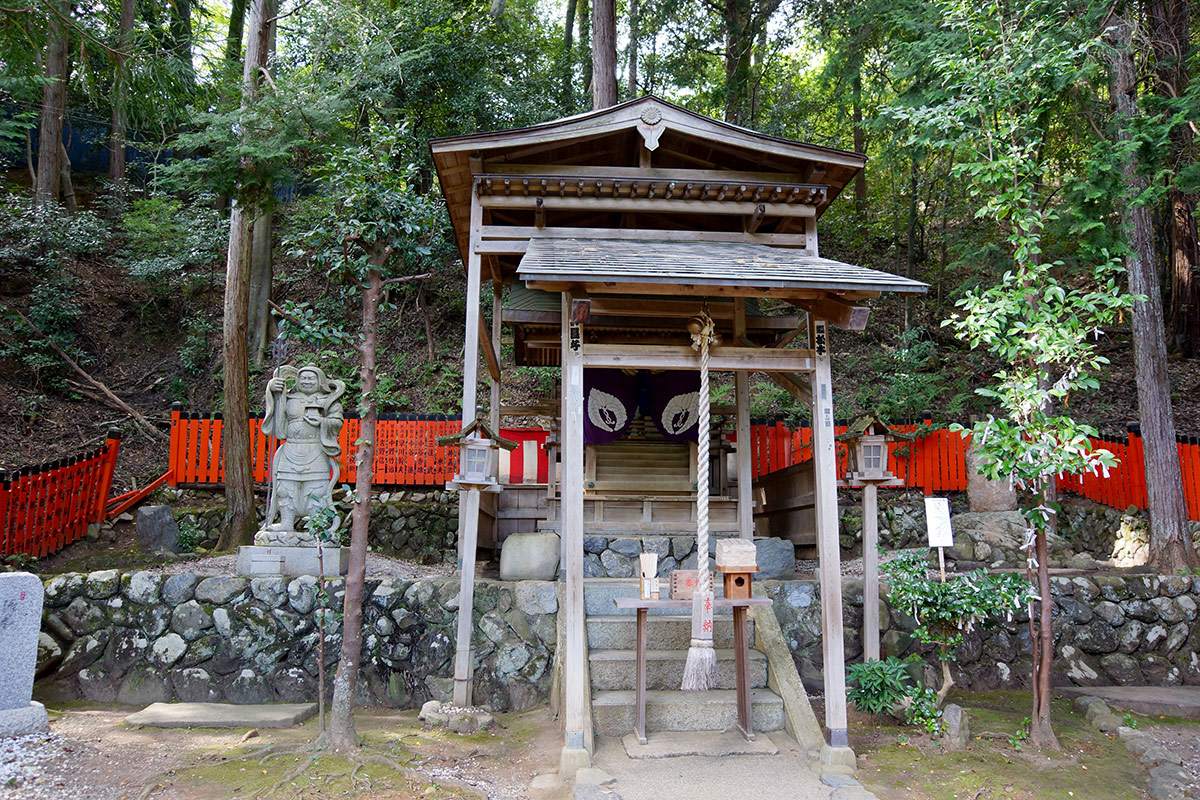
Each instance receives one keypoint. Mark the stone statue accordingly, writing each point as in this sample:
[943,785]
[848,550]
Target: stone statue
[302,408]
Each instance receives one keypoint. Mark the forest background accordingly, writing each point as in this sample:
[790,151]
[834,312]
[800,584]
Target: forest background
[114,244]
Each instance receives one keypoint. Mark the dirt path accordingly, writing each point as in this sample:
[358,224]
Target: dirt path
[92,755]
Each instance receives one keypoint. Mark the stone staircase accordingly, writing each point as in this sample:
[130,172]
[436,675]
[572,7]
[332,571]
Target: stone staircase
[612,658]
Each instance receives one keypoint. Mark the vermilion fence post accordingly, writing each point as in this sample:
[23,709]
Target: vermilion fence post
[929,460]
[1138,466]
[177,447]
[111,445]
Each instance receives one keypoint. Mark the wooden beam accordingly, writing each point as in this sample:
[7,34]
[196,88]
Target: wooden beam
[755,219]
[829,547]
[870,511]
[837,312]
[644,174]
[794,385]
[489,352]
[512,235]
[494,360]
[731,207]
[598,287]
[543,410]
[723,357]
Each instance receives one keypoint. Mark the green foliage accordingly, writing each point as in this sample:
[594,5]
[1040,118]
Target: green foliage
[912,383]
[39,240]
[878,686]
[923,711]
[945,610]
[190,536]
[197,350]
[53,308]
[166,239]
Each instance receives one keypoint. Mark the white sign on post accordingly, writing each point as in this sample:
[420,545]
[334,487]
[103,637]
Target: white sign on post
[937,518]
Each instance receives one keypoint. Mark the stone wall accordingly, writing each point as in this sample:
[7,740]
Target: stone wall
[414,524]
[144,637]
[1087,533]
[1108,630]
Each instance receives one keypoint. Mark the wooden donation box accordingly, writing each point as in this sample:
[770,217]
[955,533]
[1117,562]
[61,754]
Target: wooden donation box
[737,561]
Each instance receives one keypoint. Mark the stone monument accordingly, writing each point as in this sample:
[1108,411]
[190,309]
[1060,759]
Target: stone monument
[20,623]
[984,494]
[304,411]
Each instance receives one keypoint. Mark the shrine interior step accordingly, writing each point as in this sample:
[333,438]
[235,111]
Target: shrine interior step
[612,664]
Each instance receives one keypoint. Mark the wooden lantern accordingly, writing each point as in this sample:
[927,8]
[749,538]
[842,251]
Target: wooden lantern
[478,448]
[867,447]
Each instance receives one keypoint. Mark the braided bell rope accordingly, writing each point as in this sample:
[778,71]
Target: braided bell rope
[702,469]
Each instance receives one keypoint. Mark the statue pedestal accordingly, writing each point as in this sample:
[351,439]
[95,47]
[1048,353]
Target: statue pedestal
[254,561]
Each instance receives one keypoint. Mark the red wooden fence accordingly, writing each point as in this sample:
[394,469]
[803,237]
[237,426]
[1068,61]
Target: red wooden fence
[406,451]
[46,507]
[406,454]
[936,462]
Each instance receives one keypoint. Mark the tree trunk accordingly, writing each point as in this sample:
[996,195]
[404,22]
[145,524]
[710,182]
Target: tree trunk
[1170,38]
[1170,542]
[239,476]
[237,23]
[64,176]
[1041,733]
[566,98]
[738,48]
[604,54]
[342,735]
[181,36]
[860,143]
[116,137]
[261,274]
[54,107]
[910,260]
[633,48]
[585,41]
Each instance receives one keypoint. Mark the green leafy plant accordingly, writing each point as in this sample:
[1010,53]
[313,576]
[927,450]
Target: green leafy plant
[190,536]
[946,610]
[878,686]
[923,711]
[1129,720]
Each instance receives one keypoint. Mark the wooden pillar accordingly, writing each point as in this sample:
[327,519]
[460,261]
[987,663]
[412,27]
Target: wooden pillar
[571,529]
[468,507]
[870,515]
[741,382]
[463,666]
[497,304]
[825,479]
[745,479]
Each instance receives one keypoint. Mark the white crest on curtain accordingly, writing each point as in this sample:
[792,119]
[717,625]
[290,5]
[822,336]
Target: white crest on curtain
[680,413]
[605,411]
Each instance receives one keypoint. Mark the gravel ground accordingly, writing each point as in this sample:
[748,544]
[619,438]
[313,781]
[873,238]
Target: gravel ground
[378,567]
[1183,741]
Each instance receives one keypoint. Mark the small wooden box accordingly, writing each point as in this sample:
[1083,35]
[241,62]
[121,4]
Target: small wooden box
[738,582]
[684,583]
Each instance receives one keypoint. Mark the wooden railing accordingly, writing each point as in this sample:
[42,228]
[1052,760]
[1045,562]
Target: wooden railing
[406,450]
[44,508]
[936,462]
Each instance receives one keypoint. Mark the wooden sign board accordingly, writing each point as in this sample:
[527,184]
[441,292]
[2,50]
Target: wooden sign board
[937,520]
[684,583]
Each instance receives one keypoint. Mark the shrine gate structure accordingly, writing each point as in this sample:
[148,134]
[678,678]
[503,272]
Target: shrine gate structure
[608,231]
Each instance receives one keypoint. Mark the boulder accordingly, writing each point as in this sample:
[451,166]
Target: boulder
[958,729]
[776,559]
[984,494]
[157,531]
[530,557]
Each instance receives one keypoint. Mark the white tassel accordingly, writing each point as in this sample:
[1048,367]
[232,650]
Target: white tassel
[701,666]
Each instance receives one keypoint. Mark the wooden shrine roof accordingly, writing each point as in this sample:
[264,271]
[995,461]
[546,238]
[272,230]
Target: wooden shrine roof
[690,267]
[645,158]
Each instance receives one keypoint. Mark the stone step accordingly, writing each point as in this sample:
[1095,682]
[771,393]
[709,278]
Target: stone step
[663,632]
[715,710]
[614,670]
[599,593]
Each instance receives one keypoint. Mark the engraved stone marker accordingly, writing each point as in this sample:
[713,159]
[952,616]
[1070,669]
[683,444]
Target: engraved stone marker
[20,623]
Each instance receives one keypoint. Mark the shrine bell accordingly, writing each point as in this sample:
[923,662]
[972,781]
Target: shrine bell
[737,561]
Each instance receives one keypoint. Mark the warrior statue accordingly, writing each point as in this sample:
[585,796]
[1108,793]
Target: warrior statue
[302,408]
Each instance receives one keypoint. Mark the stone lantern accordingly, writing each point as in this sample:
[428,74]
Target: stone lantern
[478,448]
[867,445]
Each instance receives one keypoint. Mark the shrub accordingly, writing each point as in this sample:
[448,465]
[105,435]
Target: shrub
[878,686]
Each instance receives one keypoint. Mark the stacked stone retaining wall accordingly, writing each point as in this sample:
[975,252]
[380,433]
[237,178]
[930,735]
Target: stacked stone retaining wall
[414,524]
[142,637]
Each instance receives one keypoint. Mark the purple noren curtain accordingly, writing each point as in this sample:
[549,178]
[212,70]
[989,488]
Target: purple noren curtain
[674,398]
[610,404]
